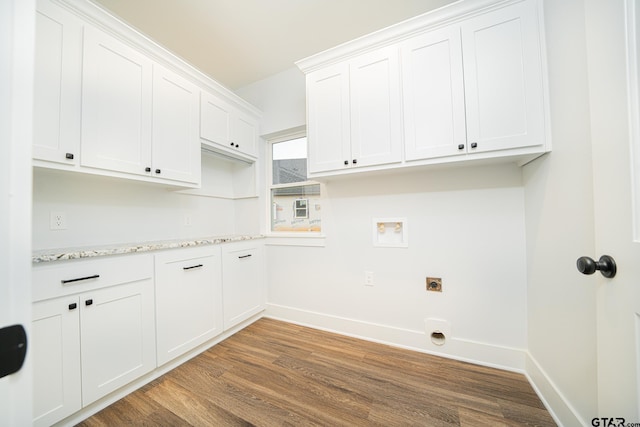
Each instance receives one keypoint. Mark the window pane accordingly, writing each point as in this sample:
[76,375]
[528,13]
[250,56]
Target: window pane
[296,208]
[289,161]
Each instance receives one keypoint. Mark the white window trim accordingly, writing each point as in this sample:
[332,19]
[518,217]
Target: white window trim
[283,238]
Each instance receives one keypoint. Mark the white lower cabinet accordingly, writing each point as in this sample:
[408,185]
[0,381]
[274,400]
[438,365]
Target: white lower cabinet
[101,323]
[116,337]
[188,299]
[243,281]
[93,331]
[55,355]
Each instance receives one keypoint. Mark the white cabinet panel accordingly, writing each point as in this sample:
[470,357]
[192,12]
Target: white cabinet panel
[176,145]
[503,79]
[93,331]
[243,281]
[215,120]
[116,105]
[328,122]
[354,113]
[472,86]
[188,299]
[118,337]
[244,134]
[57,83]
[376,124]
[55,355]
[433,94]
[226,130]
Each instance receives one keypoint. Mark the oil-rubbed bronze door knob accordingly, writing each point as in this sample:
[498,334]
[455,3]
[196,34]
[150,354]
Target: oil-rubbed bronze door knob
[606,265]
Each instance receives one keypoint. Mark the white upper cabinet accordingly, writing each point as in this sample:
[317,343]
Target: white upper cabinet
[176,145]
[469,84]
[433,94]
[116,105]
[108,101]
[328,119]
[376,123]
[503,79]
[57,85]
[137,117]
[215,120]
[244,133]
[224,129]
[354,115]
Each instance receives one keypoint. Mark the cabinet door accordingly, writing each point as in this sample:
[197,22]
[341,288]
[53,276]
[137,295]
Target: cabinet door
[328,123]
[503,79]
[243,282]
[176,145]
[433,95]
[188,300]
[116,105]
[244,134]
[55,355]
[215,120]
[376,124]
[117,336]
[57,83]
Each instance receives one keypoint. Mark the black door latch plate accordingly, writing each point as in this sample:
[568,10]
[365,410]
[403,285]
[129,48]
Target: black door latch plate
[13,349]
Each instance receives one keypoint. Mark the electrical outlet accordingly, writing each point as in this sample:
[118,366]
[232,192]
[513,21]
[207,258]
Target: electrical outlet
[434,284]
[58,221]
[368,278]
[188,221]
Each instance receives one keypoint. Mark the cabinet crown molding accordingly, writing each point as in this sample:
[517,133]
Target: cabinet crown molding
[440,17]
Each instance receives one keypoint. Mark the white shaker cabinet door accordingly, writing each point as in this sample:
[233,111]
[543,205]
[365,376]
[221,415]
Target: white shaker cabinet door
[118,337]
[328,123]
[57,83]
[243,282]
[215,120]
[503,79]
[116,105]
[176,143]
[226,129]
[376,123]
[433,94]
[188,299]
[55,354]
[244,134]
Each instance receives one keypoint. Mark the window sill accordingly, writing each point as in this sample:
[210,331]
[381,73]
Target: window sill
[296,239]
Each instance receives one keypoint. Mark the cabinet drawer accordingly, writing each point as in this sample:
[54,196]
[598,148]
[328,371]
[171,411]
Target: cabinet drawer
[60,278]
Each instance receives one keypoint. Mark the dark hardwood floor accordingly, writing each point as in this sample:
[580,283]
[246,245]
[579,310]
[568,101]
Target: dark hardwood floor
[278,374]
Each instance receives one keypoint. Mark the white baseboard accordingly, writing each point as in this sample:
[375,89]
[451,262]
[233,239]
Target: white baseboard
[562,412]
[501,357]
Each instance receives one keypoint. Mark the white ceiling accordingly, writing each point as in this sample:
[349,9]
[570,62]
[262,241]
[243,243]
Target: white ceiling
[238,42]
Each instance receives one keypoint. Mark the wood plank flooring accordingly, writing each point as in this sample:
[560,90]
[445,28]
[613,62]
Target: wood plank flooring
[278,374]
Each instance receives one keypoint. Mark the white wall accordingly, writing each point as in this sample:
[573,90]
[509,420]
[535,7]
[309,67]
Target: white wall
[559,218]
[103,211]
[279,98]
[466,225]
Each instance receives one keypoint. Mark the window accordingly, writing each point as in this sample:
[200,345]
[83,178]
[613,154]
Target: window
[295,201]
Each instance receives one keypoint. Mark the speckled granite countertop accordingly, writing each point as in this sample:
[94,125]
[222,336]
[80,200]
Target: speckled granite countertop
[48,255]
